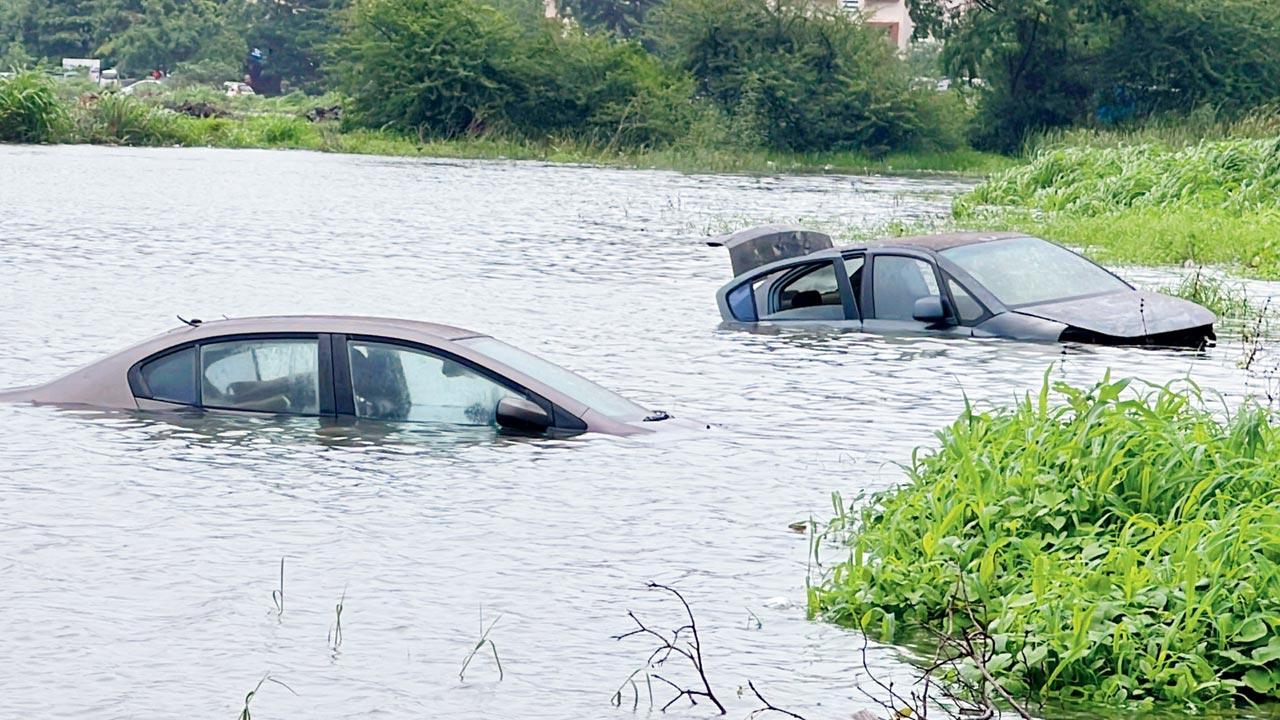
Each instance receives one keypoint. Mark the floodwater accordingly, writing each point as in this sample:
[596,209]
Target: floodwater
[138,555]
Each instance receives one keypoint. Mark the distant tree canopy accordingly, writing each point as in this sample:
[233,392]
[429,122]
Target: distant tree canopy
[802,78]
[624,17]
[1050,63]
[141,35]
[446,67]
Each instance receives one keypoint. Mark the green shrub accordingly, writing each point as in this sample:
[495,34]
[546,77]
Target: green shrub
[1235,175]
[30,111]
[442,68]
[117,119]
[1120,546]
[805,78]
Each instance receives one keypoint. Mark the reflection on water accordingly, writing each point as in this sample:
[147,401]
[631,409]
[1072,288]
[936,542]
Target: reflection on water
[138,552]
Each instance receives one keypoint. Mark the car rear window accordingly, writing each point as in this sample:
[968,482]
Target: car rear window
[172,378]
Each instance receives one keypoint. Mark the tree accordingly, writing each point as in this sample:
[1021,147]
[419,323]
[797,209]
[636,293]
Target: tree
[447,67]
[47,31]
[804,78]
[1050,63]
[624,17]
[293,36]
[140,35]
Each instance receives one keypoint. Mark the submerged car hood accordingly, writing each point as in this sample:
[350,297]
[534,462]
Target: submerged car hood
[1125,314]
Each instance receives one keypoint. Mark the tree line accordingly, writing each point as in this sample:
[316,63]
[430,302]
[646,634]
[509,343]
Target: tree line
[784,74]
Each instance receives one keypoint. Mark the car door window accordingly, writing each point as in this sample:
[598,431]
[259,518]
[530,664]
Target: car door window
[854,265]
[393,382]
[279,375]
[897,282]
[810,294]
[968,309]
[172,378]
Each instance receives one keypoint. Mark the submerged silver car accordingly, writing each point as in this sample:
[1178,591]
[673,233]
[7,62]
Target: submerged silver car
[974,284]
[336,366]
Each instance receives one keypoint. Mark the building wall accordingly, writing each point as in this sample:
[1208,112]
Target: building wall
[892,16]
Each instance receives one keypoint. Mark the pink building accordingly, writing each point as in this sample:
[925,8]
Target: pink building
[888,15]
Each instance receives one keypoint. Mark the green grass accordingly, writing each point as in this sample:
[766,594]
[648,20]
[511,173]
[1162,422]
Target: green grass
[1120,546]
[1247,243]
[1212,202]
[1169,131]
[73,113]
[1224,298]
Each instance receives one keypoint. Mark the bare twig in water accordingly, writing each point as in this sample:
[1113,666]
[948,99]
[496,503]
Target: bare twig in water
[335,630]
[1253,336]
[690,650]
[277,596]
[245,714]
[768,706]
[616,700]
[484,640]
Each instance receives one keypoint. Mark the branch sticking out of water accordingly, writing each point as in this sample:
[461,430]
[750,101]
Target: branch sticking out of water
[277,596]
[245,714]
[690,650]
[335,630]
[484,640]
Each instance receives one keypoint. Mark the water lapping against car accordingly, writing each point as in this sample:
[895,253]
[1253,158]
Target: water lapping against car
[139,554]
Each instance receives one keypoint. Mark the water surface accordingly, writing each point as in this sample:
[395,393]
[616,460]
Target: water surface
[138,555]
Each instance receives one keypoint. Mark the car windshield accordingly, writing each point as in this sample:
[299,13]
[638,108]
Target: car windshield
[575,386]
[1026,271]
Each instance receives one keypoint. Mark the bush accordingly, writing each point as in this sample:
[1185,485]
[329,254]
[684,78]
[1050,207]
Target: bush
[806,78]
[447,67]
[117,119]
[30,111]
[1119,547]
[1233,175]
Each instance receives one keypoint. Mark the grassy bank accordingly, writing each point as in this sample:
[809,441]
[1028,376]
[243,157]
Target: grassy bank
[33,109]
[1153,202]
[1117,546]
[278,131]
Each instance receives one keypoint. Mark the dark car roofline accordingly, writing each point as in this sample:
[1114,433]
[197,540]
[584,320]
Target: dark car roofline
[936,243]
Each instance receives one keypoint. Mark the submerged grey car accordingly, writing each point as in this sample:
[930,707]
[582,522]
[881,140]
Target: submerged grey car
[977,284]
[358,367]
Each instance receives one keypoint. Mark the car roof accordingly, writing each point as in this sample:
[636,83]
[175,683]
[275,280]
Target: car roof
[349,324]
[941,241]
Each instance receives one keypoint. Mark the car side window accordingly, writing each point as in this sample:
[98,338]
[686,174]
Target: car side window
[897,282]
[968,309]
[172,377]
[393,382]
[278,375]
[854,265]
[812,293]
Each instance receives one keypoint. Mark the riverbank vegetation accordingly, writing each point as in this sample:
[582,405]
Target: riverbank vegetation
[691,84]
[1119,545]
[1152,202]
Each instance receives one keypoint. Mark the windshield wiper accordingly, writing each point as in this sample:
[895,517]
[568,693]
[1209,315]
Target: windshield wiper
[658,416]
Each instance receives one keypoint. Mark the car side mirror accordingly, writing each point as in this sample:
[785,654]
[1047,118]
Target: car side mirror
[519,414]
[929,309]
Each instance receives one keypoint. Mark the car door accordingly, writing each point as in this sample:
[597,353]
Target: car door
[891,287]
[386,379]
[278,374]
[797,291]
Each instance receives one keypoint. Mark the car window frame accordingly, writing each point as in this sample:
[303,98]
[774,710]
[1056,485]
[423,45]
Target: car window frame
[867,295]
[743,284]
[773,294]
[953,308]
[324,370]
[344,392]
